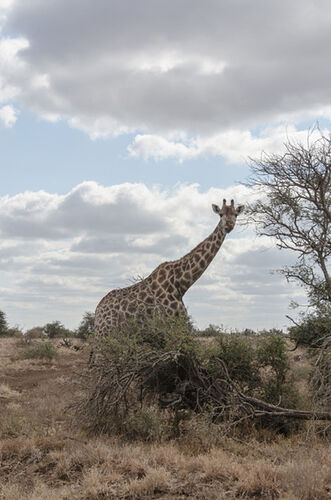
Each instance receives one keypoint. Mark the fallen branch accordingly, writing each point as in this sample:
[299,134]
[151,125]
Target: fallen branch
[175,380]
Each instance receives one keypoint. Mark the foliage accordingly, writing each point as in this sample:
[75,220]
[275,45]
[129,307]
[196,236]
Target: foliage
[56,329]
[314,332]
[239,357]
[295,210]
[86,327]
[146,424]
[3,324]
[37,332]
[15,331]
[42,350]
[321,378]
[272,352]
[142,370]
[313,328]
[210,331]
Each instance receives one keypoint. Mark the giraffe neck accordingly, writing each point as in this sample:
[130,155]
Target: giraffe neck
[189,268]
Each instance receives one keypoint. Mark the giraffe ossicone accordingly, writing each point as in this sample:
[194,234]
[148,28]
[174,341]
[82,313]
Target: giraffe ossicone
[161,292]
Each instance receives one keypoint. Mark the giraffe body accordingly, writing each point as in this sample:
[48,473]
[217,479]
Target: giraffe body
[162,291]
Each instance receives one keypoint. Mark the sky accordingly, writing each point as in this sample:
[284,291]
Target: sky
[122,122]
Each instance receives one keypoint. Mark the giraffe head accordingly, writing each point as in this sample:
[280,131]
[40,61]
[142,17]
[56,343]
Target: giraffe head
[228,214]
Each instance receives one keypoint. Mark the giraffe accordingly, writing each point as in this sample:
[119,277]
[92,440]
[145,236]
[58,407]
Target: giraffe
[163,290]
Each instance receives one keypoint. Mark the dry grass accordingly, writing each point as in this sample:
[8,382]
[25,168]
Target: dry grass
[43,457]
[105,468]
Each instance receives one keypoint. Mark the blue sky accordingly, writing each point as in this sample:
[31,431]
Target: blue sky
[122,122]
[36,154]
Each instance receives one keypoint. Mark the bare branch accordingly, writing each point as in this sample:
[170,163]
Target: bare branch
[295,208]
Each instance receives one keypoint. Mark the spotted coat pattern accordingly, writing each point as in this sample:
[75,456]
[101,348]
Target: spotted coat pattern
[163,290]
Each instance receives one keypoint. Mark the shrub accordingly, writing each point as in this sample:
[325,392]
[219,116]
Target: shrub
[147,424]
[272,351]
[15,332]
[313,328]
[210,331]
[86,327]
[239,357]
[314,332]
[159,374]
[138,368]
[321,377]
[272,355]
[3,324]
[56,329]
[42,350]
[36,332]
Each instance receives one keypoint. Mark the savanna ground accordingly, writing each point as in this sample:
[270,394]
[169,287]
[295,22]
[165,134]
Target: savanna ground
[43,455]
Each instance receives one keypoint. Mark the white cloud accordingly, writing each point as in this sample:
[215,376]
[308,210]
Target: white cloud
[8,115]
[11,70]
[234,145]
[5,4]
[153,146]
[157,68]
[60,254]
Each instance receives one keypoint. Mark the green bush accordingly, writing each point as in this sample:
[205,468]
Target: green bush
[3,324]
[42,350]
[86,327]
[56,329]
[210,331]
[313,328]
[239,356]
[321,377]
[272,351]
[150,380]
[272,356]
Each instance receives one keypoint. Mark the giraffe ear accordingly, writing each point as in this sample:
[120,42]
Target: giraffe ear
[217,210]
[240,209]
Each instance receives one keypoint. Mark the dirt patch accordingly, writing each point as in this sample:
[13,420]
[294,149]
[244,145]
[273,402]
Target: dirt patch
[33,374]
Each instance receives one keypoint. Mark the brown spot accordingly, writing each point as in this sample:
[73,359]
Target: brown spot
[162,276]
[173,305]
[187,276]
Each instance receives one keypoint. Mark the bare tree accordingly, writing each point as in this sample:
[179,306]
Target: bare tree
[295,209]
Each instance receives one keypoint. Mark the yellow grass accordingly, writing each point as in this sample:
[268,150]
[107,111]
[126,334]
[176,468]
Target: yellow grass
[43,457]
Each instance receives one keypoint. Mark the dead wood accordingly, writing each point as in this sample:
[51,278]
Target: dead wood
[176,381]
